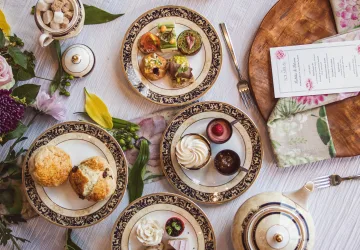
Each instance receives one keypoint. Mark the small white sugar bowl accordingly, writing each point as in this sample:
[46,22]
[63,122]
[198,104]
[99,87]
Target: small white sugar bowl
[57,32]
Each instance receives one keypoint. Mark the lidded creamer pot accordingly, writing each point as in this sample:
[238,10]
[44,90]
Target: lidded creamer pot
[59,19]
[275,221]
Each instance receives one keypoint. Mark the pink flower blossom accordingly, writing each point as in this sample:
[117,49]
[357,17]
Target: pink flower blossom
[344,23]
[50,106]
[6,75]
[280,54]
[316,99]
[309,84]
[346,15]
[348,11]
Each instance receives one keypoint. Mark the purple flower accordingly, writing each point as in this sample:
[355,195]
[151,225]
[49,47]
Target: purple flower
[11,112]
[50,106]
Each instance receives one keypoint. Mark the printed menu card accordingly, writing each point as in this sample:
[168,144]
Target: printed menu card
[314,69]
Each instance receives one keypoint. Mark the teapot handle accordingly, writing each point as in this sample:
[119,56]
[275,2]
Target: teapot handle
[45,39]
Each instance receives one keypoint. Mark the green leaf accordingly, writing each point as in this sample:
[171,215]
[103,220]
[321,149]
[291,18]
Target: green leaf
[70,245]
[27,91]
[32,12]
[7,197]
[2,39]
[18,132]
[14,218]
[55,84]
[95,15]
[21,74]
[16,206]
[7,236]
[322,112]
[136,183]
[323,130]
[332,150]
[154,176]
[18,56]
[24,74]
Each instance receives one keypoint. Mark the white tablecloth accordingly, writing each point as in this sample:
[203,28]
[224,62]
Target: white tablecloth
[335,210]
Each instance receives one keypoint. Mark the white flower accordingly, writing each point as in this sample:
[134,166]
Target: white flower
[50,106]
[6,75]
[149,233]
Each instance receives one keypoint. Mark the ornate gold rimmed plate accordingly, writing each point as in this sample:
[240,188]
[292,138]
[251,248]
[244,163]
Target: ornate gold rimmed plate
[160,207]
[61,205]
[207,185]
[206,63]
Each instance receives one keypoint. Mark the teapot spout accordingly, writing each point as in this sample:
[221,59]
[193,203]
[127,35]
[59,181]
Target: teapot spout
[301,196]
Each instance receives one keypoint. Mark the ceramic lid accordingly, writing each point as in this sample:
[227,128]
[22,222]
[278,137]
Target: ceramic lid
[78,60]
[272,221]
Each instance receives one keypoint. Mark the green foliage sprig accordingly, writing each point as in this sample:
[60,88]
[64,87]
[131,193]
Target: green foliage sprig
[136,176]
[22,63]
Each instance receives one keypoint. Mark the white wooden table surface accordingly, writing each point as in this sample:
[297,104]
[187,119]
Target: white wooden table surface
[335,210]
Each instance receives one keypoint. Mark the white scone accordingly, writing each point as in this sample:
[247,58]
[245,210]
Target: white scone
[50,166]
[93,179]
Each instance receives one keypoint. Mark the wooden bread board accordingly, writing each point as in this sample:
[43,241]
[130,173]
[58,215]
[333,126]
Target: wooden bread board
[295,22]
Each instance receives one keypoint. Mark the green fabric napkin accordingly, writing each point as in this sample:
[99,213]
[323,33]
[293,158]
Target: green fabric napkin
[298,126]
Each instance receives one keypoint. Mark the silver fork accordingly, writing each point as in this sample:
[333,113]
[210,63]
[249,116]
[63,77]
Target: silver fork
[243,85]
[332,180]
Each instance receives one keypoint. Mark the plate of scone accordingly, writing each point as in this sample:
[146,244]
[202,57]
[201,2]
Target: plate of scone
[75,174]
[211,152]
[171,55]
[163,221]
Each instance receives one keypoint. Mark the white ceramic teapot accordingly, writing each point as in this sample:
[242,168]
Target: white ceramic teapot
[72,29]
[275,221]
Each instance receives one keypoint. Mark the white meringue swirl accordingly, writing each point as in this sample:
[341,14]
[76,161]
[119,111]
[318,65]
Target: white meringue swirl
[149,232]
[192,151]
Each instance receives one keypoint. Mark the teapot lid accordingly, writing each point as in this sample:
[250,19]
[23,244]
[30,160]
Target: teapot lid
[272,221]
[78,60]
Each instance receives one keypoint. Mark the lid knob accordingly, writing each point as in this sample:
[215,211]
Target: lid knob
[76,59]
[278,237]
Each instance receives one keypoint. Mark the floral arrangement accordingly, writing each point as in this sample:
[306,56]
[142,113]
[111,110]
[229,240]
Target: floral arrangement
[16,102]
[15,66]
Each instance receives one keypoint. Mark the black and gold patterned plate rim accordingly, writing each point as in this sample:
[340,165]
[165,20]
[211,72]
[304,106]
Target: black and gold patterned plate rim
[196,194]
[197,20]
[76,221]
[164,198]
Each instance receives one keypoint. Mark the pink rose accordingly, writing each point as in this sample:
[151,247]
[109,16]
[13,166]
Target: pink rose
[6,74]
[280,54]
